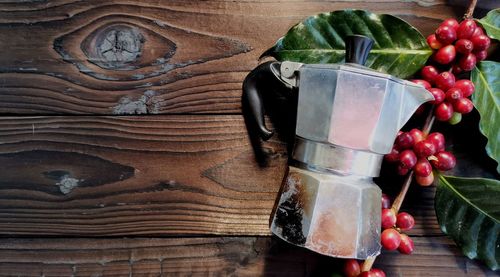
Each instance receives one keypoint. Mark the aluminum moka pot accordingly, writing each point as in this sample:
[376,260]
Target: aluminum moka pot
[347,119]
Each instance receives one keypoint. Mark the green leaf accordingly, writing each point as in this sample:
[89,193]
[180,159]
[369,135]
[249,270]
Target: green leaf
[486,78]
[491,23]
[398,49]
[468,210]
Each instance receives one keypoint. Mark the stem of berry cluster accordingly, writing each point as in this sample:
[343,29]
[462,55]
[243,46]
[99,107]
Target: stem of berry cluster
[470,9]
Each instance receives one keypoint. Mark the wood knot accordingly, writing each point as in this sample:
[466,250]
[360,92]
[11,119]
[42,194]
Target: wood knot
[114,47]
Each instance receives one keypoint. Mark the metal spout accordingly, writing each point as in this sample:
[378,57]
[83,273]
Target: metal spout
[413,96]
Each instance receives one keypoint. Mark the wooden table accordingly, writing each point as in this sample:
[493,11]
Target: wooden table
[123,150]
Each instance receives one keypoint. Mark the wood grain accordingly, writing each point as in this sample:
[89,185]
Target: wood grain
[143,57]
[154,175]
[221,256]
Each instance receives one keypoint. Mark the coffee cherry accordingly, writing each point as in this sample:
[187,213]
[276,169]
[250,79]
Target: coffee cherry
[481,42]
[366,274]
[390,239]
[351,268]
[420,110]
[404,141]
[393,156]
[424,149]
[466,28]
[407,159]
[438,95]
[405,221]
[402,170]
[417,135]
[443,161]
[423,168]
[386,201]
[446,34]
[423,83]
[466,86]
[406,245]
[478,31]
[444,111]
[425,181]
[429,72]
[433,42]
[455,118]
[438,140]
[467,62]
[480,55]
[453,94]
[463,106]
[388,218]
[464,46]
[451,22]
[445,55]
[376,272]
[445,80]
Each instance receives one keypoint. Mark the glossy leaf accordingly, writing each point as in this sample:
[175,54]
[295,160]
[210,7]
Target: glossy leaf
[468,210]
[398,49]
[486,78]
[491,24]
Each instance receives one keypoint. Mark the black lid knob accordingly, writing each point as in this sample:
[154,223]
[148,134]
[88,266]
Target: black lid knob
[357,48]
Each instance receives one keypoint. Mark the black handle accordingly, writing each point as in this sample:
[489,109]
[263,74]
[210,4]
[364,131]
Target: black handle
[357,48]
[252,102]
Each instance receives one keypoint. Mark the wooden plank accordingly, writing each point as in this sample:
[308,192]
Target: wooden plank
[155,175]
[138,57]
[220,256]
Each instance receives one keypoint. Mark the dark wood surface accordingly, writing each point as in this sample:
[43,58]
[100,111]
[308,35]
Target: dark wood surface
[184,189]
[187,56]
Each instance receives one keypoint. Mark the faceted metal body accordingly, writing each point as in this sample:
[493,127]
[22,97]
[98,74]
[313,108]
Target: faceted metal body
[308,214]
[347,118]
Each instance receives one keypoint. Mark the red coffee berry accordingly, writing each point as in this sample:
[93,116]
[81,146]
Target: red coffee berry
[423,168]
[417,135]
[386,201]
[445,80]
[466,86]
[429,72]
[464,46]
[433,42]
[402,170]
[455,118]
[438,95]
[466,28]
[446,34]
[453,94]
[443,161]
[444,111]
[390,239]
[351,268]
[420,110]
[480,55]
[376,272]
[388,218]
[393,156]
[438,140]
[407,159]
[366,274]
[463,106]
[423,83]
[404,141]
[405,221]
[481,42]
[467,62]
[425,181]
[406,245]
[452,22]
[445,55]
[424,149]
[478,31]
